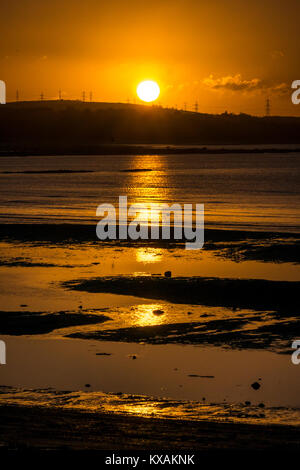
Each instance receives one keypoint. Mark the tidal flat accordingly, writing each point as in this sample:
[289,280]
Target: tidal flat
[94,321]
[99,338]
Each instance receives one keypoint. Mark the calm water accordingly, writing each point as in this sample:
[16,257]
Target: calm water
[254,191]
[258,191]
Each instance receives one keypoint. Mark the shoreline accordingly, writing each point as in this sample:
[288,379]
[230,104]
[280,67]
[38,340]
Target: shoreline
[138,149]
[49,429]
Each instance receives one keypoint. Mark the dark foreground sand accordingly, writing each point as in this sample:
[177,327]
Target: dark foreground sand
[28,428]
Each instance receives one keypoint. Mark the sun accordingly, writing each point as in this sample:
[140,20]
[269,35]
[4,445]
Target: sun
[148,91]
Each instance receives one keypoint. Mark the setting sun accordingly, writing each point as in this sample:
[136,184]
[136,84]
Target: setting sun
[148,91]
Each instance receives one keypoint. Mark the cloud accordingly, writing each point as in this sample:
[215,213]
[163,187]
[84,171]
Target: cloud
[235,83]
[281,88]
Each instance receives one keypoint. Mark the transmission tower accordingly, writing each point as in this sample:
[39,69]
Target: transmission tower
[17,95]
[184,106]
[42,96]
[59,95]
[268,107]
[83,96]
[196,107]
[91,96]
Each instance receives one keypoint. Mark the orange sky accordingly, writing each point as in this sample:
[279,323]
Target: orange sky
[225,54]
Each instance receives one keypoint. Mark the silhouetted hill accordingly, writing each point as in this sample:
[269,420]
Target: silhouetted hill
[74,126]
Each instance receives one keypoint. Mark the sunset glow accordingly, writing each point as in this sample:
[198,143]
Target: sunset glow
[150,229]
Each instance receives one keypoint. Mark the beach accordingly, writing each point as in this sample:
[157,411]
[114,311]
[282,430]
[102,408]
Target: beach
[100,339]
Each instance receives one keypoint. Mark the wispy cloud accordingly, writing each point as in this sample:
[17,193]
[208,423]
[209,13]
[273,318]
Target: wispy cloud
[238,84]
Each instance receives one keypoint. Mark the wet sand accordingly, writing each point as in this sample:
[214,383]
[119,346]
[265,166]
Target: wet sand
[53,429]
[79,421]
[35,323]
[255,294]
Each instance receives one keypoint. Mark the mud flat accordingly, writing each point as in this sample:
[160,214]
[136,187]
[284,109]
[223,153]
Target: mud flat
[226,333]
[34,323]
[255,294]
[278,250]
[263,314]
[49,232]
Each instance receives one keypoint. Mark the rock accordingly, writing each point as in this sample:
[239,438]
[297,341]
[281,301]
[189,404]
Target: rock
[168,274]
[23,305]
[261,405]
[133,356]
[87,385]
[255,385]
[158,312]
[80,306]
[190,313]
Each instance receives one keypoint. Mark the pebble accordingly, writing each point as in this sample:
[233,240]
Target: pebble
[158,312]
[255,385]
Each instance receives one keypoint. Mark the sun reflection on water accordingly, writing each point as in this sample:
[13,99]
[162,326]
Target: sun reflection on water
[149,255]
[149,186]
[149,314]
